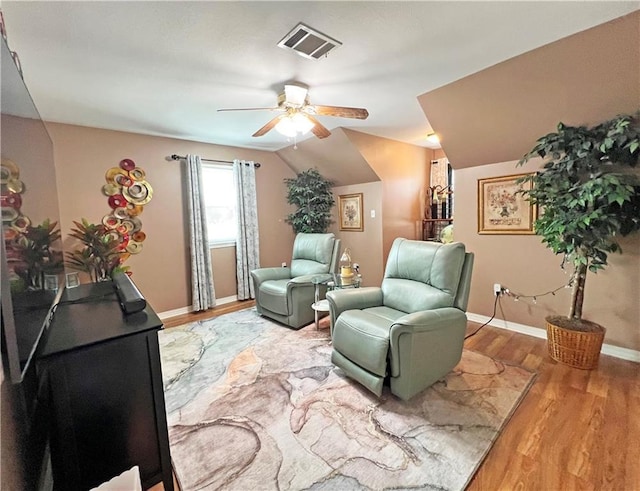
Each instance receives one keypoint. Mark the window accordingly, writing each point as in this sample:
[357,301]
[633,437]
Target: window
[220,204]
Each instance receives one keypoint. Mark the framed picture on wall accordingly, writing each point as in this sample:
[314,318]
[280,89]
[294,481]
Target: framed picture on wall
[350,206]
[501,209]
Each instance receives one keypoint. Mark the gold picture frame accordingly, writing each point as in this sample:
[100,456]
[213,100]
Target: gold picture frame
[350,209]
[501,209]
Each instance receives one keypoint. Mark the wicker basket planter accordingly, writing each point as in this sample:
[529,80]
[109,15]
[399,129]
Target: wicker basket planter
[579,349]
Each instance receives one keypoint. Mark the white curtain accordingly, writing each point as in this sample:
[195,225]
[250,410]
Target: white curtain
[202,291]
[247,245]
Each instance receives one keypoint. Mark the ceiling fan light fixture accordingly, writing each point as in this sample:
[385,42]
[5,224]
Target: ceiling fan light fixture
[294,125]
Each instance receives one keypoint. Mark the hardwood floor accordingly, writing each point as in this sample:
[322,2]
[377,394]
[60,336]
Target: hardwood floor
[575,429]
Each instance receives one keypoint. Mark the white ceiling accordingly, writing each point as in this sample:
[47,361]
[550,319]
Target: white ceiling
[163,68]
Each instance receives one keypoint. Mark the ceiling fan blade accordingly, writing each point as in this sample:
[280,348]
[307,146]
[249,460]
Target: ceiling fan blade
[318,130]
[252,109]
[342,112]
[269,126]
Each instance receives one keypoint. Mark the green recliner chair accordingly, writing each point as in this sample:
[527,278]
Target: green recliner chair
[286,294]
[412,328]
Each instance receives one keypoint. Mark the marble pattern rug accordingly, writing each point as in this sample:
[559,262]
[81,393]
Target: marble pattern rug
[253,405]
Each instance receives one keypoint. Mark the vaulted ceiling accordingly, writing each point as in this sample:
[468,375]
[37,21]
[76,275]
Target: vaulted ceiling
[164,68]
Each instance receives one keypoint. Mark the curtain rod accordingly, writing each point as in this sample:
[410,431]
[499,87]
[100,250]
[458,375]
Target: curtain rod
[180,157]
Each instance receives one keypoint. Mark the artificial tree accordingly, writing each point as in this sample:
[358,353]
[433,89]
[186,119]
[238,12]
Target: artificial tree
[588,197]
[311,193]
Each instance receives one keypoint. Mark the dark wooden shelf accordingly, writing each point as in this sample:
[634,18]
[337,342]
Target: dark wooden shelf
[431,229]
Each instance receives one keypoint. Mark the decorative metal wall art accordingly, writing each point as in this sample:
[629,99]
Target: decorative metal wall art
[11,197]
[32,251]
[127,192]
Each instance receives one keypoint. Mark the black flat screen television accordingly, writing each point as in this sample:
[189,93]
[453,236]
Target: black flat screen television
[32,270]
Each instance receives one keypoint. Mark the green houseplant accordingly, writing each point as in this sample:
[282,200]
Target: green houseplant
[100,255]
[311,193]
[37,257]
[588,197]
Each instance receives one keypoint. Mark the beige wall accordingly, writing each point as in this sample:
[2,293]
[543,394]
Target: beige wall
[403,170]
[525,265]
[162,270]
[365,246]
[496,115]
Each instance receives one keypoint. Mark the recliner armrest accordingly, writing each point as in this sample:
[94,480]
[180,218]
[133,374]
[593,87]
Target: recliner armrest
[420,325]
[305,279]
[352,298]
[265,274]
[428,320]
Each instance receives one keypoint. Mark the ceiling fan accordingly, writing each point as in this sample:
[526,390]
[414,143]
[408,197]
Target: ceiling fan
[298,113]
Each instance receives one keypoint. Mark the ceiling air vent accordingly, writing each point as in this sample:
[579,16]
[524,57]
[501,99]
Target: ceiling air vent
[308,42]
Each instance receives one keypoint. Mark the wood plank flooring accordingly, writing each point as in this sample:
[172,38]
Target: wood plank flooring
[575,429]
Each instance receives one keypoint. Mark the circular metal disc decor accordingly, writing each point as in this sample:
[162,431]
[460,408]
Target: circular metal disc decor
[139,193]
[137,174]
[127,192]
[116,201]
[8,171]
[111,189]
[134,247]
[110,221]
[134,210]
[21,223]
[11,201]
[123,180]
[111,174]
[15,185]
[127,164]
[9,214]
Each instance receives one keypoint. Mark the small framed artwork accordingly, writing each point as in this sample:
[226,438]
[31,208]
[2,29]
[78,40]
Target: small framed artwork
[72,280]
[50,282]
[350,206]
[501,209]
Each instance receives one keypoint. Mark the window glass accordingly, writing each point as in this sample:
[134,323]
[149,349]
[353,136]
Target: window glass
[220,203]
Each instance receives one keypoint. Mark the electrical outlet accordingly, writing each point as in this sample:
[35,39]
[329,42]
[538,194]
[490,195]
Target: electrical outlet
[497,289]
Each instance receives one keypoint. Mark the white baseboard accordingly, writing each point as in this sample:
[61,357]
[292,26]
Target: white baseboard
[607,349]
[222,301]
[187,310]
[174,313]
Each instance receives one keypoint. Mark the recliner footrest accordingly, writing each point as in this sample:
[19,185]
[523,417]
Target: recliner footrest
[363,338]
[370,381]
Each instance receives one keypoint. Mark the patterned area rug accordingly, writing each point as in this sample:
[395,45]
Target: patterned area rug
[253,405]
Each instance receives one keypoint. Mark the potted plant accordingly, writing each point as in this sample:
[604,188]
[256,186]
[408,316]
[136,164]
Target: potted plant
[311,193]
[588,198]
[33,248]
[101,254]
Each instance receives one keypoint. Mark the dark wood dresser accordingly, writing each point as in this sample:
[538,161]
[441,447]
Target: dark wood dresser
[106,400]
